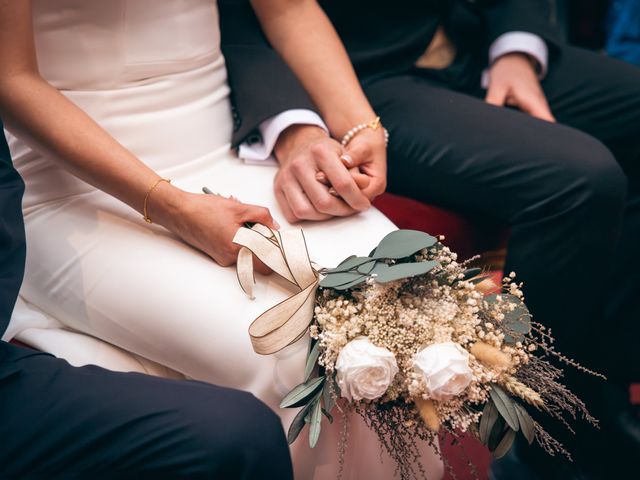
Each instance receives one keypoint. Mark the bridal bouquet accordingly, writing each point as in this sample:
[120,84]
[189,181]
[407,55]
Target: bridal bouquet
[410,339]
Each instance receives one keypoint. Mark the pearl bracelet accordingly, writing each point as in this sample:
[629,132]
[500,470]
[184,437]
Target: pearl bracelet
[373,125]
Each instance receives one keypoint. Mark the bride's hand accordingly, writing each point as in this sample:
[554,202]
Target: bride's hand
[304,152]
[368,152]
[207,222]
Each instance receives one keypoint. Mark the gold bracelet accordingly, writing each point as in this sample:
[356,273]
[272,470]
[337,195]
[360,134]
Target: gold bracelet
[145,205]
[373,125]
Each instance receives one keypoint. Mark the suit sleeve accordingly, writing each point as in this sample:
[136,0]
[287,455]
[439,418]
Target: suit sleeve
[533,16]
[262,84]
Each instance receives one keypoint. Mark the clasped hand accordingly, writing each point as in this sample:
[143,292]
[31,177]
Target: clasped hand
[319,179]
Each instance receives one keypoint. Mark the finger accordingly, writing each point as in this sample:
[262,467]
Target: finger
[362,180]
[496,95]
[300,205]
[322,178]
[340,179]
[321,197]
[284,206]
[376,188]
[535,105]
[256,214]
[358,154]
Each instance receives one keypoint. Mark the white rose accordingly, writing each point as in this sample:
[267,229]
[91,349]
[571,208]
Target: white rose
[445,367]
[364,370]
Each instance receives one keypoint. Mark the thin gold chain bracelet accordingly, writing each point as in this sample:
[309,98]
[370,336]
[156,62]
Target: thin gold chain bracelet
[145,205]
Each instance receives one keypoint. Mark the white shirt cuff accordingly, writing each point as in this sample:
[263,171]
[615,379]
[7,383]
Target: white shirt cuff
[259,147]
[521,42]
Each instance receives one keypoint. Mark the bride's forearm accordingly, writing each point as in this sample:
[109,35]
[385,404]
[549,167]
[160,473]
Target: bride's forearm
[303,35]
[51,123]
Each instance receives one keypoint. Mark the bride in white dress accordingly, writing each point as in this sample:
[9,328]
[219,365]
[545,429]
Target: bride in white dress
[151,79]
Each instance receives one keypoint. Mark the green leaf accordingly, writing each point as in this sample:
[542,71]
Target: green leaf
[349,264]
[527,427]
[471,272]
[505,444]
[346,286]
[333,280]
[328,415]
[402,243]
[487,421]
[505,405]
[315,423]
[301,393]
[297,424]
[517,323]
[367,268]
[405,270]
[327,398]
[312,358]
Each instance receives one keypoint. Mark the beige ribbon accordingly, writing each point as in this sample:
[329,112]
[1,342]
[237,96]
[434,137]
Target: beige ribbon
[286,254]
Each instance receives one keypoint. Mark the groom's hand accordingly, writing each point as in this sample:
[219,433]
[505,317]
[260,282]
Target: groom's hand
[513,81]
[310,167]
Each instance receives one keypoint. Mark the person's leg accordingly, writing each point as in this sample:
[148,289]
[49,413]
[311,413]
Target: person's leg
[560,191]
[601,96]
[58,421]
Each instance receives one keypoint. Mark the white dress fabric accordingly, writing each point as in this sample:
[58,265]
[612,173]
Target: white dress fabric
[100,282]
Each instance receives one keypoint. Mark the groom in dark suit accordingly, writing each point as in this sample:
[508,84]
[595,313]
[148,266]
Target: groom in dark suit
[492,115]
[58,421]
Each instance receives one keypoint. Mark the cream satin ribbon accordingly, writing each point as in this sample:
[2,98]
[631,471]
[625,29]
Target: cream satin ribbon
[286,254]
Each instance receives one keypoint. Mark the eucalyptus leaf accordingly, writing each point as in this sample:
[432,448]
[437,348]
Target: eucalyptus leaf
[349,264]
[527,427]
[505,444]
[297,424]
[487,421]
[505,405]
[312,358]
[405,270]
[315,423]
[471,272]
[349,285]
[516,323]
[367,268]
[301,393]
[333,280]
[402,243]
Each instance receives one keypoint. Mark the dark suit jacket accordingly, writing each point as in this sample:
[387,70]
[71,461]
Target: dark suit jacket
[12,243]
[382,37]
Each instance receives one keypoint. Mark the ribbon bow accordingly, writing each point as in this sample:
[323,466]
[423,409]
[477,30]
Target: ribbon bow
[286,254]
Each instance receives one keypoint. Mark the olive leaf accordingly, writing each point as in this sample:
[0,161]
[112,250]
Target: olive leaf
[333,280]
[487,421]
[402,243]
[471,272]
[496,434]
[327,397]
[505,405]
[505,444]
[301,393]
[527,427]
[315,423]
[311,360]
[405,270]
[328,415]
[298,424]
[349,264]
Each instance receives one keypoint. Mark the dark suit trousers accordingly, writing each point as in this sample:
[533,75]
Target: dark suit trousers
[569,192]
[58,421]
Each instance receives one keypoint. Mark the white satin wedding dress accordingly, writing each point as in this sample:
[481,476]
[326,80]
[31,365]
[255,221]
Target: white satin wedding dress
[100,282]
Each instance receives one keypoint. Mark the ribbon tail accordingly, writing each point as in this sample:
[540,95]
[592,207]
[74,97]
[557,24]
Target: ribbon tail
[244,271]
[284,323]
[265,250]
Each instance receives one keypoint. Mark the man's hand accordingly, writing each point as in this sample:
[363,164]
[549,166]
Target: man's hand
[513,82]
[309,160]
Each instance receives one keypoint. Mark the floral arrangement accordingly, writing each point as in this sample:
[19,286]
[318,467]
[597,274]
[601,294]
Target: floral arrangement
[416,344]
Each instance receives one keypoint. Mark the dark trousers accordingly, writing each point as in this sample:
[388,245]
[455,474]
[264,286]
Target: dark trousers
[58,421]
[569,192]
